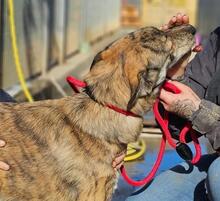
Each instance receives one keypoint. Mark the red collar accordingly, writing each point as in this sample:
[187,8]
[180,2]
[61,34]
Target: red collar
[76,84]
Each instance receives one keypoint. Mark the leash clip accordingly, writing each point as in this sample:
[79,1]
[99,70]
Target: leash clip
[184,151]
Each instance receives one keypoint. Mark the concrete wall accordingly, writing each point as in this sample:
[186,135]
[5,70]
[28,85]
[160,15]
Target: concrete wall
[158,12]
[51,31]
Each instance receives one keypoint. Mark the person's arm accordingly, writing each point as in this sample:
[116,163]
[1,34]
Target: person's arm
[204,115]
[206,120]
[199,72]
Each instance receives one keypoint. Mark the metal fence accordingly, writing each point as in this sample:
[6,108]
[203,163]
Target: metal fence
[50,31]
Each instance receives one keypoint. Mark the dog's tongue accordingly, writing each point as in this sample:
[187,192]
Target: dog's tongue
[198,46]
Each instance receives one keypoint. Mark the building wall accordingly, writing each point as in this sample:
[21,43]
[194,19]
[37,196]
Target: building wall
[204,14]
[51,31]
[158,12]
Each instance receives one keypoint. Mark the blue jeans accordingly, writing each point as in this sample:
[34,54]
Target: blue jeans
[185,182]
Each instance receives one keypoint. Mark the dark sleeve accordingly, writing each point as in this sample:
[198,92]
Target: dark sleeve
[206,120]
[203,67]
[5,97]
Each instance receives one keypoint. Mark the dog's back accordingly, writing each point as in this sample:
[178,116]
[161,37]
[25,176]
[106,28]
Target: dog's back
[26,154]
[50,158]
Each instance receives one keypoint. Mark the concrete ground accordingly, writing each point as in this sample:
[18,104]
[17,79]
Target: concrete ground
[140,168]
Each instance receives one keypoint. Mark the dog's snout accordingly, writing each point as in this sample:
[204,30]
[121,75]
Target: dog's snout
[183,28]
[190,29]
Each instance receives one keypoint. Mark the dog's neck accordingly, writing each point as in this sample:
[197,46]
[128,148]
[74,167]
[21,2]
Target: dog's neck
[113,89]
[110,106]
[104,122]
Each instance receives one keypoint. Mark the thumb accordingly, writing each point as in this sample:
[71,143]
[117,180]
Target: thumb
[166,107]
[166,96]
[179,85]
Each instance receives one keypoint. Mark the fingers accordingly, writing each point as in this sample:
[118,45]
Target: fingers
[2,143]
[176,20]
[166,106]
[118,166]
[185,19]
[164,27]
[179,19]
[4,166]
[166,97]
[114,164]
[118,162]
[198,48]
[172,20]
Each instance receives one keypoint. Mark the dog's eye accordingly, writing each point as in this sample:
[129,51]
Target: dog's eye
[172,57]
[164,38]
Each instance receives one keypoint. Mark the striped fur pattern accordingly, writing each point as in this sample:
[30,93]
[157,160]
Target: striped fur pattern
[62,150]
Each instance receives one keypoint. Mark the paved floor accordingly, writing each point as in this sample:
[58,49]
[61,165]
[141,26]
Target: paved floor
[140,168]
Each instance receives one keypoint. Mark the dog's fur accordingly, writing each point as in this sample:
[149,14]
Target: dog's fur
[63,149]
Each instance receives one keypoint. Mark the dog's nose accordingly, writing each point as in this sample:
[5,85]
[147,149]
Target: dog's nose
[183,28]
[188,28]
[192,29]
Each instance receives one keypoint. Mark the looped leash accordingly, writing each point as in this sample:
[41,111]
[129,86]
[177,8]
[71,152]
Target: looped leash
[181,147]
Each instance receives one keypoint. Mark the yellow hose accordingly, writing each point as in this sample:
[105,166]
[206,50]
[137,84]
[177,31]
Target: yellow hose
[133,152]
[19,70]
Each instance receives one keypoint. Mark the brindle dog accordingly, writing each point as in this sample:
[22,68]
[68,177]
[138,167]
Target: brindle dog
[63,149]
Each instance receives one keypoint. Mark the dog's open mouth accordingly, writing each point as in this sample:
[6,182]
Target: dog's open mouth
[183,60]
[174,67]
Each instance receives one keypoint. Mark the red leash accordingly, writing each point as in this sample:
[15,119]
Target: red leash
[163,122]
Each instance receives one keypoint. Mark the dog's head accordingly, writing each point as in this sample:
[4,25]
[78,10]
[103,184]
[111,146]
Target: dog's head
[132,67]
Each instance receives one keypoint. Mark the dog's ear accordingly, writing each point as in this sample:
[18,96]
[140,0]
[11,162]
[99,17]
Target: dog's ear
[143,87]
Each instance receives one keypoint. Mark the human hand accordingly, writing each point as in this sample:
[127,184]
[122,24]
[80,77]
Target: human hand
[183,104]
[118,161]
[177,71]
[3,165]
[177,20]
